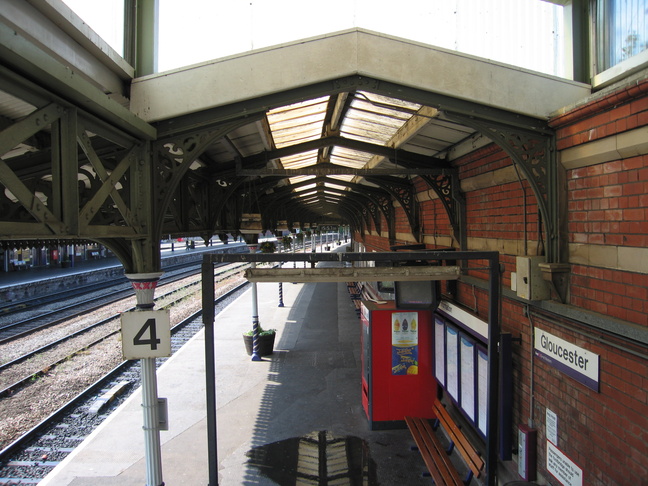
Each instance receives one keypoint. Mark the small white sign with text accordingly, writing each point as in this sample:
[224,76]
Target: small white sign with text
[551,422]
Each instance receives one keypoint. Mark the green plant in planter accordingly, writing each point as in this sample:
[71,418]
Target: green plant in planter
[286,241]
[262,332]
[266,341]
[268,247]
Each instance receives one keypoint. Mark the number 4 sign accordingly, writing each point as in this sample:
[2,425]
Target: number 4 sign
[146,334]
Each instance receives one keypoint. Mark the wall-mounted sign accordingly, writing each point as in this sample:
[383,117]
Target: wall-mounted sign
[551,421]
[146,334]
[580,364]
[562,467]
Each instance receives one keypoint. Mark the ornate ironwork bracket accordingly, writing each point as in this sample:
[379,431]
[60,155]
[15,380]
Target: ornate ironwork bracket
[446,187]
[172,158]
[534,153]
[403,191]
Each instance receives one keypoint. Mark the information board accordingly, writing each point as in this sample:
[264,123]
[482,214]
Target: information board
[467,356]
[439,350]
[482,389]
[452,362]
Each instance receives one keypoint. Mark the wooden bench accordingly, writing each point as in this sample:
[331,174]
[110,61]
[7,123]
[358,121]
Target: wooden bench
[356,295]
[436,457]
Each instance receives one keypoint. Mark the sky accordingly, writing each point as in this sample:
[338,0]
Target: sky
[525,33]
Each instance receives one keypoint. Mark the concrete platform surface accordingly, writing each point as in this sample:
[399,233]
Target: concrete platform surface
[276,417]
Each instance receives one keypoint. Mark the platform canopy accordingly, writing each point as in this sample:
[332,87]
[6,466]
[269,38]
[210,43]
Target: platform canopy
[337,124]
[332,129]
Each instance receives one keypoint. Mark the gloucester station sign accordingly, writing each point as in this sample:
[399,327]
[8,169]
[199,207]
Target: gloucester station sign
[572,360]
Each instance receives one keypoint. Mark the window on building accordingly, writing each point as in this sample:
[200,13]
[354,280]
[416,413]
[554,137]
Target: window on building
[621,31]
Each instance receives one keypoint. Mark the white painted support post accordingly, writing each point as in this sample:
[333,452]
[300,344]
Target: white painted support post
[144,285]
[255,313]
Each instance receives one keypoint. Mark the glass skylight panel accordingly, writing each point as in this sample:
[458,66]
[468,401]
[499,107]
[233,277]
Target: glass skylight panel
[299,122]
[300,160]
[376,119]
[335,186]
[299,179]
[295,135]
[309,187]
[346,178]
[349,157]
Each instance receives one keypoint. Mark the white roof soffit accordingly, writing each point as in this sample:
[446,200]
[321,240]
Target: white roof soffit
[353,52]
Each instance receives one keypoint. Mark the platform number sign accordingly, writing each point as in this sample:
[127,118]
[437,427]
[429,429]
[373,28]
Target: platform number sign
[146,334]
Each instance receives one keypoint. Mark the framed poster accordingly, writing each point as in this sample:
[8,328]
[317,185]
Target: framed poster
[439,350]
[404,343]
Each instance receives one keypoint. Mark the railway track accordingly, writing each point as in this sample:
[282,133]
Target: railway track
[29,375]
[120,282]
[33,320]
[30,458]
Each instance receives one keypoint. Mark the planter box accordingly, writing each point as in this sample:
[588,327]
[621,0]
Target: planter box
[266,344]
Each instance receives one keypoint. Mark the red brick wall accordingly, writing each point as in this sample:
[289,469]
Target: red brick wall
[608,205]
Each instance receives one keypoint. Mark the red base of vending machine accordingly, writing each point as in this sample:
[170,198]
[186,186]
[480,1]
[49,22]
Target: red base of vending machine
[397,359]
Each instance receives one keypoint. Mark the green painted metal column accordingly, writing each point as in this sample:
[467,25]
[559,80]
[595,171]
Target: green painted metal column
[141,35]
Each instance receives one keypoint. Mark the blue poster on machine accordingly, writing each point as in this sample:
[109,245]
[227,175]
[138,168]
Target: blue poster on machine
[405,343]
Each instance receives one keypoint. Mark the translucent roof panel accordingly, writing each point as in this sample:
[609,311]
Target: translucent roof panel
[308,187]
[350,158]
[297,123]
[376,119]
[339,187]
[298,161]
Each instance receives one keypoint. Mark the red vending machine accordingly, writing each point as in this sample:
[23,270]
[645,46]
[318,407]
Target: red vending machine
[397,357]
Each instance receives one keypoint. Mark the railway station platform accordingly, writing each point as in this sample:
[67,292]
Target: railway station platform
[38,274]
[276,418]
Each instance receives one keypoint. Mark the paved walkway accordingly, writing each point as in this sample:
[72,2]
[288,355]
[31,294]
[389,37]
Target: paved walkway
[287,409]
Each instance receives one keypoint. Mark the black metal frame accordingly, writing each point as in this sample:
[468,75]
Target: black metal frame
[210,259]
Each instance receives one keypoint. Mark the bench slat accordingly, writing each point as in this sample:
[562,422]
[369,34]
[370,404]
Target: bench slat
[473,459]
[434,456]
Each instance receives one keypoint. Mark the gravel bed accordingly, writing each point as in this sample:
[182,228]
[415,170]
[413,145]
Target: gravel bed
[34,403]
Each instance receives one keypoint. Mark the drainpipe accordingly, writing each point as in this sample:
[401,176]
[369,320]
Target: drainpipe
[532,371]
